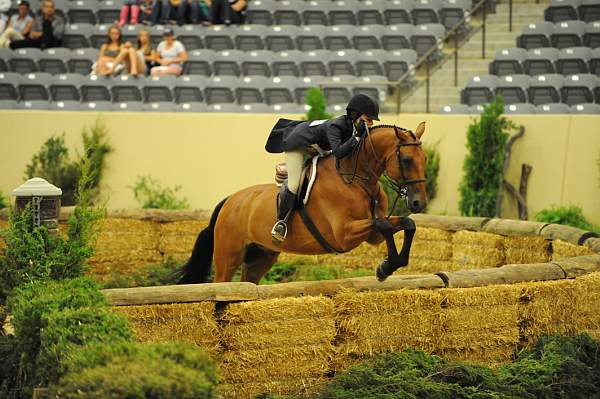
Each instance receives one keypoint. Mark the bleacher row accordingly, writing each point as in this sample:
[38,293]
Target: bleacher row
[526,108]
[540,61]
[560,35]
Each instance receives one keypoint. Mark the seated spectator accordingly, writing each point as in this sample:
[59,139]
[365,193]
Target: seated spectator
[19,25]
[115,56]
[146,12]
[4,7]
[200,11]
[146,57]
[171,56]
[169,12]
[129,7]
[47,31]
[228,11]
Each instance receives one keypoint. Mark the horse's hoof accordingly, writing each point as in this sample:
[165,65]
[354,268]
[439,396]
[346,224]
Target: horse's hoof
[382,270]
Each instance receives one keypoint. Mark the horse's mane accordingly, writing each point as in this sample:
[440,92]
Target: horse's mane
[412,134]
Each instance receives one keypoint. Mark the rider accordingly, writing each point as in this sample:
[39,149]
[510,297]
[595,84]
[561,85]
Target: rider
[339,135]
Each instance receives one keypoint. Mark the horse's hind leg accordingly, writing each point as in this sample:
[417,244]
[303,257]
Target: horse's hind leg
[257,263]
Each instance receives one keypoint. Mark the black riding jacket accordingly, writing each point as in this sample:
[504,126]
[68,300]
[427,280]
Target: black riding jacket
[333,134]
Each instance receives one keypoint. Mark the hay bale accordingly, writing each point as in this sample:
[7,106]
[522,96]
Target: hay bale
[420,265]
[193,323]
[474,250]
[527,249]
[586,317]
[562,250]
[176,239]
[295,387]
[593,244]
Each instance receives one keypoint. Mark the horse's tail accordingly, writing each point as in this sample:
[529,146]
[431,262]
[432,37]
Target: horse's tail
[197,268]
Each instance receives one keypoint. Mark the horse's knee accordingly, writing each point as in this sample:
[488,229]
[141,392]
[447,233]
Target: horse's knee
[383,226]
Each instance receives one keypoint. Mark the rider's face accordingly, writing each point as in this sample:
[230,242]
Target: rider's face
[366,118]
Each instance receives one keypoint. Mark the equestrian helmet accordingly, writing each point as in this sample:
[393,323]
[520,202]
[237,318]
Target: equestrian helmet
[365,105]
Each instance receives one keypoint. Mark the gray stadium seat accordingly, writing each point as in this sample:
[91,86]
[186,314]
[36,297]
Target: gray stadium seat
[224,107]
[591,37]
[315,13]
[280,90]
[313,63]
[579,89]
[289,108]
[427,36]
[52,60]
[108,11]
[595,61]
[95,89]
[286,63]
[219,37]
[535,35]
[452,12]
[97,106]
[7,104]
[373,86]
[34,86]
[129,33]
[398,62]
[573,60]
[34,104]
[369,12]
[303,85]
[128,106]
[520,108]
[5,54]
[157,33]
[455,109]
[83,12]
[508,62]
[370,63]
[479,90]
[397,37]
[342,12]
[541,61]
[160,107]
[9,83]
[65,106]
[24,60]
[65,87]
[561,10]
[288,12]
[260,12]
[281,38]
[342,62]
[219,89]
[258,63]
[99,35]
[157,89]
[545,89]
[257,108]
[568,34]
[586,108]
[336,109]
[250,89]
[367,37]
[426,12]
[250,37]
[81,60]
[552,108]
[192,107]
[199,62]
[310,38]
[398,12]
[77,35]
[589,11]
[126,88]
[190,36]
[513,88]
[227,63]
[338,37]
[187,89]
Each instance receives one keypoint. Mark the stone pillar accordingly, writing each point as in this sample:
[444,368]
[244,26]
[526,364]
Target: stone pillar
[45,201]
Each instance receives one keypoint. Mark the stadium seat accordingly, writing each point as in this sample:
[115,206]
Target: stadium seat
[397,37]
[342,62]
[52,60]
[226,63]
[579,89]
[77,36]
[65,87]
[286,63]
[33,104]
[128,106]
[342,12]
[373,86]
[454,11]
[368,12]
[191,107]
[398,12]
[250,37]
[338,37]
[552,108]
[288,108]
[220,89]
[108,11]
[541,61]
[398,62]
[24,60]
[95,89]
[367,37]
[337,94]
[595,61]
[288,12]
[129,33]
[315,13]
[257,108]
[250,89]
[591,37]
[126,88]
[520,108]
[160,107]
[219,38]
[303,85]
[455,109]
[157,89]
[189,35]
[545,89]
[199,62]
[535,35]
[280,90]
[568,34]
[281,38]
[427,36]
[83,12]
[508,62]
[5,54]
[513,88]
[97,106]
[81,60]
[99,35]
[310,38]
[585,108]
[370,63]
[561,10]
[479,90]
[589,10]
[573,60]
[65,106]
[258,63]
[224,107]
[313,63]
[187,89]
[157,33]
[7,104]
[34,86]
[260,12]
[9,83]
[426,12]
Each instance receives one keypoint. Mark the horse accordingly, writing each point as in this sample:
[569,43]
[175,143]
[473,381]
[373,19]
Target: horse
[347,207]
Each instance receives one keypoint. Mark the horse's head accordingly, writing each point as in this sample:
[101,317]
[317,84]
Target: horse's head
[405,164]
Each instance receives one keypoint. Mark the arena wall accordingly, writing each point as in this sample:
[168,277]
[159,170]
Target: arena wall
[213,155]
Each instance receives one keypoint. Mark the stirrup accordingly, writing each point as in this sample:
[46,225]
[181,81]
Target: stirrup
[279,232]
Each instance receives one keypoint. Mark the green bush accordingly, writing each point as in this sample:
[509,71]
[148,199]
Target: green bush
[3,201]
[156,370]
[53,163]
[10,378]
[150,194]
[570,215]
[317,102]
[147,276]
[483,174]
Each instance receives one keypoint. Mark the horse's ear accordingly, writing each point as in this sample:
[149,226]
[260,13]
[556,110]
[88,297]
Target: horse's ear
[420,130]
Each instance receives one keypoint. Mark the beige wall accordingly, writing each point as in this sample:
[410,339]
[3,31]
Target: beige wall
[213,155]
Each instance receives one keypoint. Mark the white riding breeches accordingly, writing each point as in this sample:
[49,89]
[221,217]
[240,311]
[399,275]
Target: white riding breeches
[294,161]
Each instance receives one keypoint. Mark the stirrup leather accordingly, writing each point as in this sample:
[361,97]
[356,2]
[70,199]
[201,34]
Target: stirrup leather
[279,232]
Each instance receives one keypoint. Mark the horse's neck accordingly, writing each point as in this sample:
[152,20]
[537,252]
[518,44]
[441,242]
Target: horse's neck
[371,158]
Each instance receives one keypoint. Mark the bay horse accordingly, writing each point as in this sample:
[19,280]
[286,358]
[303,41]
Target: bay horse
[347,205]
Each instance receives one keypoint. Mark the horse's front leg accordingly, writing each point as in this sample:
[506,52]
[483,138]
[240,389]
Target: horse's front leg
[394,260]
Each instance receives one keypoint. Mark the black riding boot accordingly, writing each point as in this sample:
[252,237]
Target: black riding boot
[286,208]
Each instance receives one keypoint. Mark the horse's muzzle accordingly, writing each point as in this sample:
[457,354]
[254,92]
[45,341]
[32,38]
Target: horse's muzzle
[416,205]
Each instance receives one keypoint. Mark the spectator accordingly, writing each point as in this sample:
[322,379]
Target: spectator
[164,10]
[134,7]
[145,55]
[146,12]
[171,56]
[19,25]
[200,12]
[228,11]
[47,31]
[115,56]
[4,7]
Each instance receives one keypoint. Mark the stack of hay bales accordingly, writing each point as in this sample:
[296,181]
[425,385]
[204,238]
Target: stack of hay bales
[431,251]
[477,250]
[176,239]
[479,324]
[280,346]
[586,313]
[125,245]
[380,321]
[527,249]
[193,323]
[563,250]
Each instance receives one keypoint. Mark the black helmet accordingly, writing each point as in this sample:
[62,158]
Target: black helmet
[365,105]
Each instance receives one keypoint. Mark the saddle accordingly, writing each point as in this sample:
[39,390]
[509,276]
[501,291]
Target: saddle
[307,179]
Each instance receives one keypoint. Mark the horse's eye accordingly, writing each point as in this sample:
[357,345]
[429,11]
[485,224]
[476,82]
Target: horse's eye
[407,162]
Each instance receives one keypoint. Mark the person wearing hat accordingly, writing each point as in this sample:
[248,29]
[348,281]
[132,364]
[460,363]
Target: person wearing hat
[170,56]
[19,25]
[339,136]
